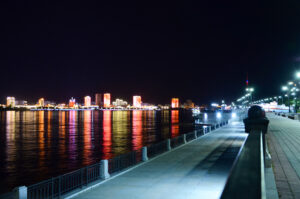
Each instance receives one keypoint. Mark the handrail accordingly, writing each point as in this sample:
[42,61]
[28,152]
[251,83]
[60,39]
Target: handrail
[62,184]
[246,179]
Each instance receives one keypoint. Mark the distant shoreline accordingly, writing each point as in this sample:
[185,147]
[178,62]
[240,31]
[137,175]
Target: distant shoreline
[92,109]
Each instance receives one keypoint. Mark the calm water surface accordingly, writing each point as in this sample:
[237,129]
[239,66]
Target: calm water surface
[37,145]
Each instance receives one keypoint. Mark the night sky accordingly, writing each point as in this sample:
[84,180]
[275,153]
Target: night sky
[199,50]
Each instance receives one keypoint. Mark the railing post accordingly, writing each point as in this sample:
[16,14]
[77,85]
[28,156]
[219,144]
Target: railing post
[59,184]
[20,192]
[169,144]
[195,132]
[104,169]
[86,176]
[81,178]
[144,154]
[184,138]
[52,187]
[209,128]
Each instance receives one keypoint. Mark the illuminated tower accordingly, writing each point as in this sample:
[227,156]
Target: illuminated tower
[71,102]
[10,101]
[87,101]
[137,101]
[41,102]
[98,99]
[106,100]
[175,103]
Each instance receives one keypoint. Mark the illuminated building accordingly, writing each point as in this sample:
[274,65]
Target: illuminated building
[87,101]
[137,101]
[119,103]
[189,104]
[175,103]
[98,99]
[106,100]
[21,102]
[72,102]
[10,101]
[41,102]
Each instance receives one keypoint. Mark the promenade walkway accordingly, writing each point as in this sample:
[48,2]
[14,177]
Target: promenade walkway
[284,145]
[198,169]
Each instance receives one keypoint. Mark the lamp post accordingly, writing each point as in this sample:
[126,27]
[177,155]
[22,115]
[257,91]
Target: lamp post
[281,99]
[297,89]
[286,88]
[250,91]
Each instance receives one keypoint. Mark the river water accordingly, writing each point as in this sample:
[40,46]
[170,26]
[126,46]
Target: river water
[38,145]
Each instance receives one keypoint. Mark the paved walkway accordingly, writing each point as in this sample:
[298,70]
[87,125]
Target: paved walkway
[284,146]
[198,169]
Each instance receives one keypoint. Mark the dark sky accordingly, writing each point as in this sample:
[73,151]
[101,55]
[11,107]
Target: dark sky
[197,50]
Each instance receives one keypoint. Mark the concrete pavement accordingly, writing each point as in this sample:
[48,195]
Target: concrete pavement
[198,169]
[284,145]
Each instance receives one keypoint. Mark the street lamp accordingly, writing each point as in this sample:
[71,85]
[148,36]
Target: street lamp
[250,91]
[298,77]
[281,99]
[286,88]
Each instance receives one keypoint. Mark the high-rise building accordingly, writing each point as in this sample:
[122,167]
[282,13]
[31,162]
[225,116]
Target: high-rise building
[119,103]
[21,102]
[106,100]
[87,101]
[189,104]
[175,103]
[98,99]
[41,102]
[10,101]
[137,101]
[72,102]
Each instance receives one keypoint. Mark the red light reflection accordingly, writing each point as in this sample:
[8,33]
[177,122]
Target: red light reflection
[137,135]
[107,141]
[174,123]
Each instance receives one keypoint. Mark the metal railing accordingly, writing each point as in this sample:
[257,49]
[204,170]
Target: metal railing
[200,132]
[55,187]
[246,179]
[157,148]
[124,161]
[190,136]
[8,195]
[177,141]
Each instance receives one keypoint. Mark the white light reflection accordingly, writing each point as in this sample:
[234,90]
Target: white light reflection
[233,115]
[205,116]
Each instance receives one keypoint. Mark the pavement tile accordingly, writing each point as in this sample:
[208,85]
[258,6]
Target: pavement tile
[284,139]
[179,174]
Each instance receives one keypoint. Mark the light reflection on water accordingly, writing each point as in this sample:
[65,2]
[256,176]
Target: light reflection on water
[37,145]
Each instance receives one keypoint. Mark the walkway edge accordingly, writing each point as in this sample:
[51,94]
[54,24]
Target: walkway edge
[71,195]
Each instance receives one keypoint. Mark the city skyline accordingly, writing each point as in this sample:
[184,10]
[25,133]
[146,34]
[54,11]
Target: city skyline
[196,51]
[94,103]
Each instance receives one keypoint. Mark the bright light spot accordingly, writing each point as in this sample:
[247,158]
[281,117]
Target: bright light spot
[205,116]
[219,115]
[233,115]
